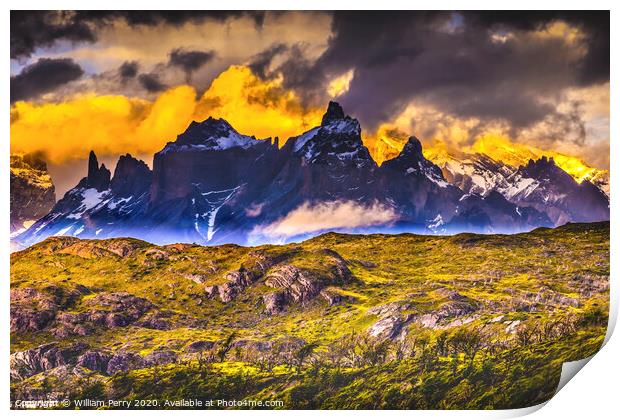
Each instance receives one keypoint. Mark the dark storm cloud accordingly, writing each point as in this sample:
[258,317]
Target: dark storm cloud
[43,76]
[33,29]
[260,62]
[128,70]
[189,60]
[595,66]
[451,61]
[151,82]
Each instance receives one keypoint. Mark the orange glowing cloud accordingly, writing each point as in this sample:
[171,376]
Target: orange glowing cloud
[115,124]
[110,125]
[503,149]
[256,107]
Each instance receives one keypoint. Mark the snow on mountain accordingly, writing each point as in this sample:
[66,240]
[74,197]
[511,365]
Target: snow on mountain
[97,204]
[213,185]
[211,134]
[539,184]
[337,139]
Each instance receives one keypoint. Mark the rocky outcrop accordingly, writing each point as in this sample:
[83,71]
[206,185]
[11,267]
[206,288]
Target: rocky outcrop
[124,361]
[589,284]
[254,266]
[33,310]
[544,298]
[160,357]
[301,285]
[275,302]
[333,298]
[236,282]
[119,247]
[392,319]
[454,310]
[122,302]
[32,190]
[293,284]
[111,310]
[94,360]
[156,321]
[24,364]
[200,346]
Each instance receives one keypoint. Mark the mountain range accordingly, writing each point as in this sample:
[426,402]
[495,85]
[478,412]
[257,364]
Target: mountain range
[213,185]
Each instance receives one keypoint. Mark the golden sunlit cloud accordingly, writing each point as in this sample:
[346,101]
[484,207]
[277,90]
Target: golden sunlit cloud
[114,124]
[256,107]
[110,125]
[340,84]
[443,134]
[501,148]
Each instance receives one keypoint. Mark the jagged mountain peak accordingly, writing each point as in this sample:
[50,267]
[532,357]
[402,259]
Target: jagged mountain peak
[334,112]
[412,149]
[93,163]
[545,168]
[411,162]
[131,176]
[337,139]
[210,134]
[212,124]
[98,177]
[336,121]
[214,184]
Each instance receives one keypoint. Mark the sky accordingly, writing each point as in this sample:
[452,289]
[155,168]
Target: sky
[128,82]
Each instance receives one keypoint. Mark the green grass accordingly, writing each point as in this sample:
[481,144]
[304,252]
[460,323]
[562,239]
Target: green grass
[495,272]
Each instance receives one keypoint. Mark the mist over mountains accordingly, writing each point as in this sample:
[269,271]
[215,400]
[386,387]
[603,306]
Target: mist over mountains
[213,185]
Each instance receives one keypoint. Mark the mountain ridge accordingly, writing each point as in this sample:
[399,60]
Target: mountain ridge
[214,185]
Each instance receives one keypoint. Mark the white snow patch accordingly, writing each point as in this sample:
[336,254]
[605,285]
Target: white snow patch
[523,187]
[343,126]
[304,138]
[233,139]
[436,223]
[114,203]
[63,231]
[216,200]
[90,198]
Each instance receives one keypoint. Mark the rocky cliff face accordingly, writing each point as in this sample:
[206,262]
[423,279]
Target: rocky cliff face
[32,190]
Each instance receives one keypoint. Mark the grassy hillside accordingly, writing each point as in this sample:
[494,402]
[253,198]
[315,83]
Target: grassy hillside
[338,321]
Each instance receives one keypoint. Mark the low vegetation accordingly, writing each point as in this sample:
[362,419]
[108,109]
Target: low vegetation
[338,321]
